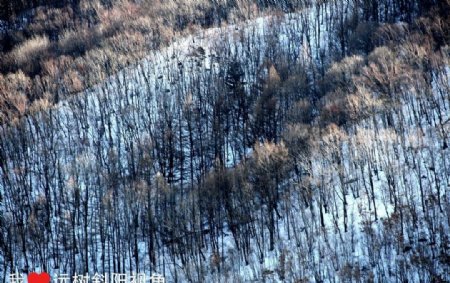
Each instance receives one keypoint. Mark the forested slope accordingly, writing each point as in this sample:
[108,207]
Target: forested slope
[52,50]
[301,147]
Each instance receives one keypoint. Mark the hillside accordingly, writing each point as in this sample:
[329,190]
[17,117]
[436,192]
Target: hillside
[54,49]
[302,142]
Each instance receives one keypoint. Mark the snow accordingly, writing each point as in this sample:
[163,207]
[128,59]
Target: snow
[127,103]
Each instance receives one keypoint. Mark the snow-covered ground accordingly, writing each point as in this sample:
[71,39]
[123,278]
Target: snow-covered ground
[120,115]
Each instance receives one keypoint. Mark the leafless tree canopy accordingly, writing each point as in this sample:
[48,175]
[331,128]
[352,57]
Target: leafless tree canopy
[311,144]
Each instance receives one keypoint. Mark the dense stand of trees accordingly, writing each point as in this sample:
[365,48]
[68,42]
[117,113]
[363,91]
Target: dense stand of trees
[12,8]
[52,49]
[55,49]
[301,142]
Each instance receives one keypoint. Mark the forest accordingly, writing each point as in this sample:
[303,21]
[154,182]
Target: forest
[226,141]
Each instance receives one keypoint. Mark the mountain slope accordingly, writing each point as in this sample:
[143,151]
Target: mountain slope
[287,148]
